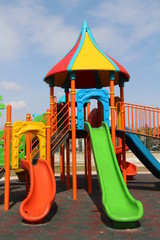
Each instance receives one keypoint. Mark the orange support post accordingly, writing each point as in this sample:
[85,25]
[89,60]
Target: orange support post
[123,135]
[150,122]
[157,123]
[89,156]
[7,165]
[52,116]
[51,100]
[28,141]
[141,120]
[112,111]
[85,148]
[99,114]
[67,149]
[132,118]
[136,120]
[62,164]
[52,106]
[48,136]
[146,121]
[128,117]
[28,154]
[4,146]
[153,122]
[73,127]
[88,109]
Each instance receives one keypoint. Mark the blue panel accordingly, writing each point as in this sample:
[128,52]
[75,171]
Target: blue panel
[85,95]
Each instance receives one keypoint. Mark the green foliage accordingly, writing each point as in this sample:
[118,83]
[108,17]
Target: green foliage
[2,105]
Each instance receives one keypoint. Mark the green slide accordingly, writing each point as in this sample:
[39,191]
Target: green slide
[117,201]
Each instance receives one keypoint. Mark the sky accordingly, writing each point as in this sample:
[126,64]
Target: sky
[36,34]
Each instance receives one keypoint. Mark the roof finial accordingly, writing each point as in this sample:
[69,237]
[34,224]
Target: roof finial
[85,25]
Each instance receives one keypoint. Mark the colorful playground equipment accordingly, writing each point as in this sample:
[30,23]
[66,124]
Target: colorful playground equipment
[88,68]
[42,191]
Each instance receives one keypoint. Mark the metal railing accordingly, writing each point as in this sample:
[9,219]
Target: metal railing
[61,126]
[138,119]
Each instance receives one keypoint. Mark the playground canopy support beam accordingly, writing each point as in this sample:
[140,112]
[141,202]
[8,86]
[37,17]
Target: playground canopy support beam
[112,77]
[52,116]
[7,165]
[28,140]
[123,135]
[67,146]
[48,152]
[28,153]
[73,127]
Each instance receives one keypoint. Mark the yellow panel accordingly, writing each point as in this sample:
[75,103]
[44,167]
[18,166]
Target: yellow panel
[91,58]
[20,128]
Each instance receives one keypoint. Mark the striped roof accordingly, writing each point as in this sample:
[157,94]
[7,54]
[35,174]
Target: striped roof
[89,62]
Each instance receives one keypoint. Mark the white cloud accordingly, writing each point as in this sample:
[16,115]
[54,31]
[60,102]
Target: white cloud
[10,86]
[124,24]
[17,104]
[26,24]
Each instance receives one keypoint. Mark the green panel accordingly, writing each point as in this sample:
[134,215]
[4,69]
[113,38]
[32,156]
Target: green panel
[117,201]
[21,149]
[38,118]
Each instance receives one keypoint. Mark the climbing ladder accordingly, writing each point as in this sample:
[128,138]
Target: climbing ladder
[60,125]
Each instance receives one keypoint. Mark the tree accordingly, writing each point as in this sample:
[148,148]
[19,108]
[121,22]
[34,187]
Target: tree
[2,105]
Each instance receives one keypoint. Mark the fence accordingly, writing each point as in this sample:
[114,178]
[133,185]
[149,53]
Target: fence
[138,119]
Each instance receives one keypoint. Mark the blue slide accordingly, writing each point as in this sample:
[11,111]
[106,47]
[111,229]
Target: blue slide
[142,153]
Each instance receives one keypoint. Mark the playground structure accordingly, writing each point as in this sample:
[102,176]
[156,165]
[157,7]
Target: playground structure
[89,69]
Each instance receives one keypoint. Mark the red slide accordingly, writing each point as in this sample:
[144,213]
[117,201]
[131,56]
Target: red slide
[42,191]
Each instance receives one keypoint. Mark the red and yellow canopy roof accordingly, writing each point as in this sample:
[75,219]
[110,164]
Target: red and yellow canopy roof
[89,62]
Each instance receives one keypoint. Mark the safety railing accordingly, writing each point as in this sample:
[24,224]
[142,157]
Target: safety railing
[35,141]
[53,114]
[61,126]
[2,138]
[35,146]
[138,119]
